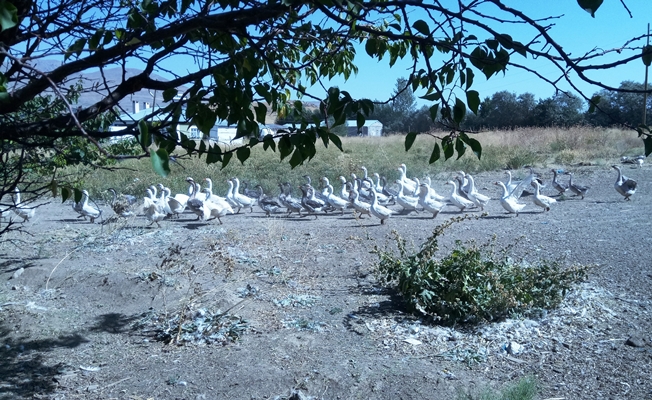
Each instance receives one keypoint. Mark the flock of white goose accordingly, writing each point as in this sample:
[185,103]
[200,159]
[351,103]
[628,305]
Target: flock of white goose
[364,195]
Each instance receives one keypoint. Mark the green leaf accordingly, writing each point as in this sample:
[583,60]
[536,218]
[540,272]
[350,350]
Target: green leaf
[285,146]
[459,111]
[473,100]
[226,157]
[434,96]
[261,112]
[214,154]
[409,140]
[647,55]
[169,94]
[145,137]
[434,112]
[54,187]
[475,146]
[595,100]
[360,120]
[447,145]
[371,47]
[590,6]
[8,15]
[422,27]
[76,48]
[94,41]
[160,161]
[460,147]
[520,48]
[268,141]
[65,194]
[336,140]
[435,154]
[647,142]
[78,195]
[205,118]
[505,41]
[296,159]
[243,154]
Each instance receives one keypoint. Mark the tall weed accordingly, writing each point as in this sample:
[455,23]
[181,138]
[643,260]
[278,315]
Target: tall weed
[501,150]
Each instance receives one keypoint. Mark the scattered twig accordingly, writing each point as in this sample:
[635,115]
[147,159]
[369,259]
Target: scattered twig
[59,263]
[115,383]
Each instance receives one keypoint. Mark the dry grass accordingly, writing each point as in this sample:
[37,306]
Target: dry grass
[501,149]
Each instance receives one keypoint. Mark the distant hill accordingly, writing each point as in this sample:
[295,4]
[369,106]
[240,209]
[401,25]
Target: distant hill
[95,89]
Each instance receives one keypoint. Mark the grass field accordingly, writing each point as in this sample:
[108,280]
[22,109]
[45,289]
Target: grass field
[501,150]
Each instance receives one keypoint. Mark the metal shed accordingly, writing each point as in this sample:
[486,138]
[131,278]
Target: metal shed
[371,127]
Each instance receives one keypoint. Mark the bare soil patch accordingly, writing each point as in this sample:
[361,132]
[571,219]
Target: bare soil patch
[85,318]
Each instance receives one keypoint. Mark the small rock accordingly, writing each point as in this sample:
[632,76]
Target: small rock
[18,273]
[92,388]
[514,348]
[635,341]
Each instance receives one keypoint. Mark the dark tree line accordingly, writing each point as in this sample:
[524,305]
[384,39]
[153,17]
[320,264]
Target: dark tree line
[508,110]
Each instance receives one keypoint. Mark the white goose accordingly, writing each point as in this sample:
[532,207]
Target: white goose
[88,210]
[359,206]
[408,203]
[624,185]
[220,201]
[153,211]
[522,185]
[428,203]
[457,200]
[431,192]
[215,209]
[378,211]
[344,192]
[541,200]
[195,204]
[509,202]
[163,200]
[409,186]
[334,201]
[465,186]
[478,198]
[26,213]
[511,185]
[176,205]
[229,195]
[242,200]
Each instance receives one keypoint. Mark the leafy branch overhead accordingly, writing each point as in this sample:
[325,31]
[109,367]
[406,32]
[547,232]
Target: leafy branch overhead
[235,62]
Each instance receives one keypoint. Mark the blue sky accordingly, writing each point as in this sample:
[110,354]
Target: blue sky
[577,32]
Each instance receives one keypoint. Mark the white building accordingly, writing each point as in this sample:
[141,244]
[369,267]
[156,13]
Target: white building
[371,127]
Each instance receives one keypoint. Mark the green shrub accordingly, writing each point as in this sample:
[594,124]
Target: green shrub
[520,158]
[524,389]
[473,283]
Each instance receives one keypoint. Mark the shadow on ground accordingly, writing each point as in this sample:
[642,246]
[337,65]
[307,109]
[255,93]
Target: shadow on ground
[23,369]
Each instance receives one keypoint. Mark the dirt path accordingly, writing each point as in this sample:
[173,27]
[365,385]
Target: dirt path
[316,321]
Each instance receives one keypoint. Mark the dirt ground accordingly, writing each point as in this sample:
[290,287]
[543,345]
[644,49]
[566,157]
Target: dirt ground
[92,314]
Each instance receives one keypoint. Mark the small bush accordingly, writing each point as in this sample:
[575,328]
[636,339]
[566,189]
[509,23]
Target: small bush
[473,283]
[519,158]
[524,389]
